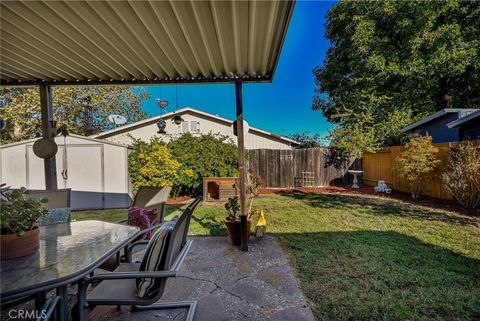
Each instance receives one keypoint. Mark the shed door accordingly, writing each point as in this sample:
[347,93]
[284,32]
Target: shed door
[84,174]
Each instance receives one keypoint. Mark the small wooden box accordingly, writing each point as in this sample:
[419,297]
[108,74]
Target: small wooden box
[218,189]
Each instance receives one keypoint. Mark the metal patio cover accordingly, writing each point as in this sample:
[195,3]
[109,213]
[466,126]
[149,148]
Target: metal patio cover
[92,42]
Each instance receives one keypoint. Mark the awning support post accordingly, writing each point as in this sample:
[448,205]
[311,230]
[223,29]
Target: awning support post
[47,125]
[241,167]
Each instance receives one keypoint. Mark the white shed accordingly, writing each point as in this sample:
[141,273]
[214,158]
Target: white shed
[96,170]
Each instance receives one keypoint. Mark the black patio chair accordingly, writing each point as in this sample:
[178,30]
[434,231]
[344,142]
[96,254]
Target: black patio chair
[147,197]
[121,287]
[58,205]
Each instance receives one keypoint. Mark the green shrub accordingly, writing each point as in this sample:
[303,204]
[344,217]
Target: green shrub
[152,164]
[209,155]
[417,162]
[462,177]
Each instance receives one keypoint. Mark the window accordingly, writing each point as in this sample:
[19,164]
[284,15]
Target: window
[190,126]
[194,128]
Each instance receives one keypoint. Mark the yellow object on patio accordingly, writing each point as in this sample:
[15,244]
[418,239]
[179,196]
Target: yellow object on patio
[261,227]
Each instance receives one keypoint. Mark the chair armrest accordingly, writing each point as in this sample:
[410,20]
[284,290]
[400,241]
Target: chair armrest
[132,275]
[138,234]
[129,249]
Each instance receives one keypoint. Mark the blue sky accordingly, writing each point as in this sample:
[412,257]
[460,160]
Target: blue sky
[283,106]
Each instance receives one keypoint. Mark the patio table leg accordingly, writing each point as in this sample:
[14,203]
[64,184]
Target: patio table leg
[62,292]
[40,299]
[81,314]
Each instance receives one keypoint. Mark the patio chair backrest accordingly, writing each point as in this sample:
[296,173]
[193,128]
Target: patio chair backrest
[173,247]
[149,197]
[59,198]
[58,205]
[178,238]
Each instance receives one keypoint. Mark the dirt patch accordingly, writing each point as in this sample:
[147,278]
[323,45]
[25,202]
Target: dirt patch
[179,200]
[449,205]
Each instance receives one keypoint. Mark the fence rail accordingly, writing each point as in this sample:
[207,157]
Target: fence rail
[381,166]
[291,168]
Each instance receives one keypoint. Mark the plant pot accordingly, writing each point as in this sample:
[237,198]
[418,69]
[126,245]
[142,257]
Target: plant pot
[233,228]
[13,246]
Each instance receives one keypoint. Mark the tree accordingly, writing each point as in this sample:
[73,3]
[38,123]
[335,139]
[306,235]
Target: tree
[82,109]
[417,162]
[307,139]
[394,62]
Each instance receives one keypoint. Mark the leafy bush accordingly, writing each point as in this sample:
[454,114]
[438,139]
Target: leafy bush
[20,214]
[462,177]
[209,155]
[417,163]
[152,164]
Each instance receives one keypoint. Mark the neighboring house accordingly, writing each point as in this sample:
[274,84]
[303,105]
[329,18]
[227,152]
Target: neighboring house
[195,122]
[468,126]
[96,170]
[437,125]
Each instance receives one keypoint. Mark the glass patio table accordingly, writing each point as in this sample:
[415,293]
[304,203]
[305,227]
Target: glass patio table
[68,252]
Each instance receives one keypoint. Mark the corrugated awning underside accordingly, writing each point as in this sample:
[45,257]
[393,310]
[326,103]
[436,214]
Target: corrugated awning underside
[140,41]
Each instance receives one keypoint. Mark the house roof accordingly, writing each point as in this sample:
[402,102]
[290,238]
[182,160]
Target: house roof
[140,42]
[100,141]
[460,111]
[154,119]
[464,119]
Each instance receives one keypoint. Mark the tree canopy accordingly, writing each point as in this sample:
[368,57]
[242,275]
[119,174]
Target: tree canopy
[393,62]
[307,139]
[84,110]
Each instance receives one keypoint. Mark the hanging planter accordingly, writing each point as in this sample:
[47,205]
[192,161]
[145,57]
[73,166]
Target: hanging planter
[177,119]
[161,124]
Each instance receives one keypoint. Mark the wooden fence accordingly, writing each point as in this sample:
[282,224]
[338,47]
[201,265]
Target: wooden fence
[381,166]
[292,168]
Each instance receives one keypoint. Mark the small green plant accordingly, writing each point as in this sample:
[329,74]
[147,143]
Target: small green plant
[20,214]
[462,177]
[253,183]
[233,208]
[417,162]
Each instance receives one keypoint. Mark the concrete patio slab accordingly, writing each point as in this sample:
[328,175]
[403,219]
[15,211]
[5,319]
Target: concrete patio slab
[228,285]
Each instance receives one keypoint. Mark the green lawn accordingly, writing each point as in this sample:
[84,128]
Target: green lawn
[364,258]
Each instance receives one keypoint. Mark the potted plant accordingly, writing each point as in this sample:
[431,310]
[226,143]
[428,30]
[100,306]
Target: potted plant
[19,232]
[232,221]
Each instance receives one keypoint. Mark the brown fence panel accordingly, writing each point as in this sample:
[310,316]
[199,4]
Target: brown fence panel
[381,166]
[280,168]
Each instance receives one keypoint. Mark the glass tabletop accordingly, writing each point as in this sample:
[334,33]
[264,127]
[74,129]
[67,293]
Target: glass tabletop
[65,250]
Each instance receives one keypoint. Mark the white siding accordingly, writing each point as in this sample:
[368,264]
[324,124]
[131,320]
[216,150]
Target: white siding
[253,139]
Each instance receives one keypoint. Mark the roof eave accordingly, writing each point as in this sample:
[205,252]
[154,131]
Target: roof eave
[463,120]
[134,82]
